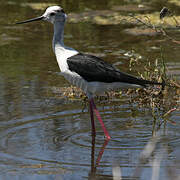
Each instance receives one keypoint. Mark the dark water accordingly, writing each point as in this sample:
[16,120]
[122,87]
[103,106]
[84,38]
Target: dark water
[44,135]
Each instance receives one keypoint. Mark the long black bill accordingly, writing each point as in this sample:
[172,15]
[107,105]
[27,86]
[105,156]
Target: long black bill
[30,20]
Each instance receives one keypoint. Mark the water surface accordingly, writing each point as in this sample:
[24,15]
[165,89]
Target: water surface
[44,135]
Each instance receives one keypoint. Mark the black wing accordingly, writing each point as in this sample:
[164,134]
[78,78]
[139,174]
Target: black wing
[92,68]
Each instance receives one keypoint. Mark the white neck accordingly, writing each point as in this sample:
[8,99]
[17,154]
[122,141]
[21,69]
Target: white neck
[62,52]
[58,38]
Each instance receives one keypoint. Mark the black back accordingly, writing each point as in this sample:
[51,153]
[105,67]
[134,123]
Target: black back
[92,68]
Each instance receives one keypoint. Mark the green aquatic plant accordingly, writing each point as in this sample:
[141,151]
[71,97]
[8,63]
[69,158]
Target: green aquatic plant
[162,101]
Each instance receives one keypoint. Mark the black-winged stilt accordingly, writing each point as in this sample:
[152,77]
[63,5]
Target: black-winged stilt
[90,73]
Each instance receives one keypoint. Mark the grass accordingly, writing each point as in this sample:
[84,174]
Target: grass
[161,100]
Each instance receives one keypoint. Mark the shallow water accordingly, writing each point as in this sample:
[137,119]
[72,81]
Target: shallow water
[44,135]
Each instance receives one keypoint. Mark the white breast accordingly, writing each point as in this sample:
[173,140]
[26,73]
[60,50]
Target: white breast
[62,53]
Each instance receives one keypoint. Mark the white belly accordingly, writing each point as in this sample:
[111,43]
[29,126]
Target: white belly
[76,80]
[95,88]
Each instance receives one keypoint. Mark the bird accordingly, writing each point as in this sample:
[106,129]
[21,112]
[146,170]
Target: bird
[90,73]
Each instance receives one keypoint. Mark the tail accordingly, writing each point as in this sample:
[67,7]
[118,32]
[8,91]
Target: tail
[127,78]
[147,82]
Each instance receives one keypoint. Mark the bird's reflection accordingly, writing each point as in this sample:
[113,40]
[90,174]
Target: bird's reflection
[95,164]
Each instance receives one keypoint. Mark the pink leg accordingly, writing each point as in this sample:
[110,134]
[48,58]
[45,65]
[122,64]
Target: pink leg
[99,118]
[92,119]
[101,151]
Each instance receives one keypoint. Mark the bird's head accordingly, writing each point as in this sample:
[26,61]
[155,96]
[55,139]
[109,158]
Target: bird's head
[52,14]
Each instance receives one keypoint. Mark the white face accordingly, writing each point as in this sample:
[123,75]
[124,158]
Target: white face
[54,13]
